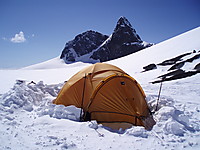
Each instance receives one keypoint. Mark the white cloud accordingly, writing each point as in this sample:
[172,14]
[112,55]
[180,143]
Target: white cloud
[18,38]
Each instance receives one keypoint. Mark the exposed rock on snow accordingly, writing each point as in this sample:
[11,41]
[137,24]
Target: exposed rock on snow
[173,60]
[197,67]
[177,74]
[149,67]
[176,64]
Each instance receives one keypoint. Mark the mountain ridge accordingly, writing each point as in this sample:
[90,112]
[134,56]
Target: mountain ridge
[153,54]
[100,48]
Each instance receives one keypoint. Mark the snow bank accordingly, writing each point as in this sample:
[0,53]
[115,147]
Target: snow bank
[28,96]
[175,124]
[23,94]
[170,119]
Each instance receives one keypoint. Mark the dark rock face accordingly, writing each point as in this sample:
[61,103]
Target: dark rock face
[82,44]
[122,42]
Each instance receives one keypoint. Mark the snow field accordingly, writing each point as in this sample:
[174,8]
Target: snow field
[29,120]
[33,122]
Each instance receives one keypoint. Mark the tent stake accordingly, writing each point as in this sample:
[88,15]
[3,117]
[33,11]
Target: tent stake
[158,97]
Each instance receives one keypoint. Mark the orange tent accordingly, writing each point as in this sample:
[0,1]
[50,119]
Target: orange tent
[108,95]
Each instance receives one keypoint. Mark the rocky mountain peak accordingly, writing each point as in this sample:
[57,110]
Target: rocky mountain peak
[126,32]
[123,41]
[82,44]
[92,46]
[123,23]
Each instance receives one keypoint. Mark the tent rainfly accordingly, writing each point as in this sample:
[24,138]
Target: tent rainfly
[107,94]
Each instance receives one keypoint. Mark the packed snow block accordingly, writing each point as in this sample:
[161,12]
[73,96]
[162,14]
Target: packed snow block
[60,112]
[165,113]
[93,124]
[173,127]
[137,132]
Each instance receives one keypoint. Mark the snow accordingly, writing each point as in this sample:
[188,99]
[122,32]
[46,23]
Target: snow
[50,64]
[144,43]
[29,120]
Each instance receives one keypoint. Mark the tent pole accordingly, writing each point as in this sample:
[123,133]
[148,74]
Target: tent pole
[82,98]
[158,97]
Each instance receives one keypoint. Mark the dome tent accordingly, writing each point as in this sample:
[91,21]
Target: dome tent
[108,95]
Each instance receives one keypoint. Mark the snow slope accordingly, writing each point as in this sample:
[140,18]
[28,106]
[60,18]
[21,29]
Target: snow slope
[30,121]
[186,42]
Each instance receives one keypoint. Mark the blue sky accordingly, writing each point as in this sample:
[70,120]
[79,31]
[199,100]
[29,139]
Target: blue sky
[33,31]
